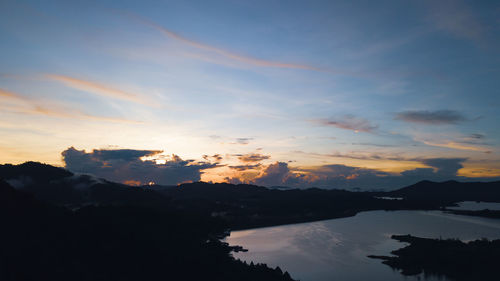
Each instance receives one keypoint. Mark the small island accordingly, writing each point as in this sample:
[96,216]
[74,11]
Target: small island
[451,258]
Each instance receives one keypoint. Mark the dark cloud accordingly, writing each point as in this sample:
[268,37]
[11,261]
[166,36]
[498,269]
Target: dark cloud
[215,157]
[477,136]
[252,157]
[125,165]
[123,154]
[243,140]
[246,167]
[445,166]
[474,139]
[437,117]
[349,122]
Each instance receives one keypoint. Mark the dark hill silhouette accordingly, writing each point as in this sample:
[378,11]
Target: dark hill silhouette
[63,226]
[450,191]
[43,242]
[38,172]
[457,260]
[240,206]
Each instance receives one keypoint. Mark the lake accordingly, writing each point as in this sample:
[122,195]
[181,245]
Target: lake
[336,249]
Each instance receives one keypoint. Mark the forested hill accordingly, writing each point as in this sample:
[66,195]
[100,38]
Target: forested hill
[237,206]
[39,241]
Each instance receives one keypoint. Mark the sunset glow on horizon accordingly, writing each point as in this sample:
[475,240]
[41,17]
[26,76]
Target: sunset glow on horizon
[274,93]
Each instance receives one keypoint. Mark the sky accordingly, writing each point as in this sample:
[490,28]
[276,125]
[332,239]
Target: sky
[334,94]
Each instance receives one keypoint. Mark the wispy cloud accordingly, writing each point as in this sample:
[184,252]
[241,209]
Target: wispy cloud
[456,145]
[22,104]
[427,117]
[222,52]
[9,95]
[100,89]
[456,18]
[349,122]
[362,155]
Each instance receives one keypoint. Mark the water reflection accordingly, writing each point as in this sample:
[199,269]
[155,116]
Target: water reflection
[337,249]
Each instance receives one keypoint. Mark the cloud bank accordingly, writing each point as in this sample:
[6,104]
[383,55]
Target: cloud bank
[126,166]
[348,177]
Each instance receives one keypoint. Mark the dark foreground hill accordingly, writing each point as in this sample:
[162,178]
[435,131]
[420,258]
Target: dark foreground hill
[457,260]
[60,226]
[39,241]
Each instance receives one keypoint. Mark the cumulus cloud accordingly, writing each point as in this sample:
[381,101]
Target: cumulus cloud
[252,157]
[125,165]
[277,174]
[349,122]
[427,117]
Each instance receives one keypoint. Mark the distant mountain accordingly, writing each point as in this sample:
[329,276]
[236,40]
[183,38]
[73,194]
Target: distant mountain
[61,187]
[450,191]
[33,172]
[239,206]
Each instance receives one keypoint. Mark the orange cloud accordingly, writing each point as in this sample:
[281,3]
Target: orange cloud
[8,94]
[99,89]
[132,182]
[26,105]
[253,157]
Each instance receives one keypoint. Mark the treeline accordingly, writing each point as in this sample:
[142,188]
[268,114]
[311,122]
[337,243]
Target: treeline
[493,214]
[39,241]
[238,206]
[452,258]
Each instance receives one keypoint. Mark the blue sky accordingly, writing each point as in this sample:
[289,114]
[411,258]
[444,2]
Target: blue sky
[373,86]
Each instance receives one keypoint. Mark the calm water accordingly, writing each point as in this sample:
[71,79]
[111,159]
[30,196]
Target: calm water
[474,206]
[337,249]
